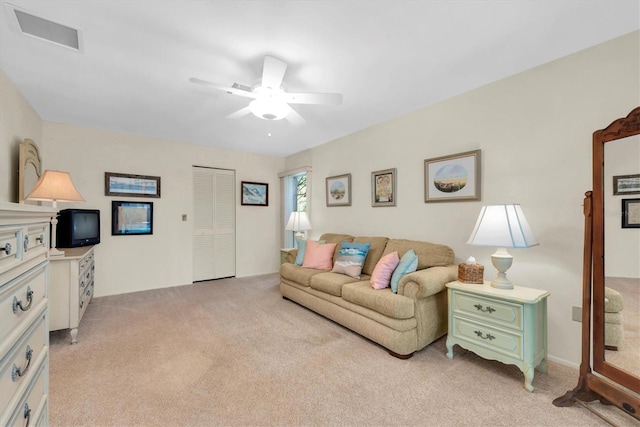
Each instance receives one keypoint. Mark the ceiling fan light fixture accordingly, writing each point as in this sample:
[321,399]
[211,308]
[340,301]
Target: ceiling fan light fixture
[269,108]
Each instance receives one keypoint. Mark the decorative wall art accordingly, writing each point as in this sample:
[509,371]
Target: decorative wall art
[120,184]
[452,178]
[254,194]
[626,184]
[383,187]
[338,190]
[630,213]
[131,218]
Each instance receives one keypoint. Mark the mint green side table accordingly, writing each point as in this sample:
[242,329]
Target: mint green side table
[508,325]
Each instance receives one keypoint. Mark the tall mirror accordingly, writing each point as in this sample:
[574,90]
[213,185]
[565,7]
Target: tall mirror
[29,168]
[610,365]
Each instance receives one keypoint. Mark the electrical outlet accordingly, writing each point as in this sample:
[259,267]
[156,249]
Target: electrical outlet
[184,217]
[576,314]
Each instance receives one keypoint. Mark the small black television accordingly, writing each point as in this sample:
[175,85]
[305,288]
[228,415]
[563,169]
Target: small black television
[78,227]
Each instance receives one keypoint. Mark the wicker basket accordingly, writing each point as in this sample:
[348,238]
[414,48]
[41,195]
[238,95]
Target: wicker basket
[471,273]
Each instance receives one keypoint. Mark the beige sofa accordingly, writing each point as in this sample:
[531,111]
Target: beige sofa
[404,322]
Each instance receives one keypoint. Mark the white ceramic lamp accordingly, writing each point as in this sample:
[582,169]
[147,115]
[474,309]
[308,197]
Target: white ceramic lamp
[503,226]
[298,222]
[55,186]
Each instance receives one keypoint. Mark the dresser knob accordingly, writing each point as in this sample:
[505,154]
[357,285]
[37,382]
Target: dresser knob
[40,239]
[27,414]
[18,372]
[7,248]
[487,337]
[484,310]
[25,243]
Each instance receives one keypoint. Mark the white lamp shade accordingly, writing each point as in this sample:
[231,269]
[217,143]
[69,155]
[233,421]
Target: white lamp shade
[503,226]
[298,221]
[55,186]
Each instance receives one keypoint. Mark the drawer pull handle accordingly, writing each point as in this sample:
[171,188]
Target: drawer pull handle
[27,414]
[7,248]
[484,310]
[487,337]
[17,303]
[17,372]
[25,243]
[40,238]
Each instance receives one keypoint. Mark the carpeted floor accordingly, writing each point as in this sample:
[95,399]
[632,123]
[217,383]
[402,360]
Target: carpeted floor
[233,352]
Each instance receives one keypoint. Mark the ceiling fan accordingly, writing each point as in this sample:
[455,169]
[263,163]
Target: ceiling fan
[270,100]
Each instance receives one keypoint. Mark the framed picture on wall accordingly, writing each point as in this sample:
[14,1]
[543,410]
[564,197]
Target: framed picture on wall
[254,194]
[626,184]
[452,178]
[338,190]
[120,184]
[130,218]
[630,213]
[383,187]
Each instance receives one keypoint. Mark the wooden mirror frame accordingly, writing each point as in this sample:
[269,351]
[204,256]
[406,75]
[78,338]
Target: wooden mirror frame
[613,385]
[29,154]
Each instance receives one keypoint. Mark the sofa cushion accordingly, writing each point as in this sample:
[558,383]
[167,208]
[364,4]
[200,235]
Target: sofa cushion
[350,259]
[381,277]
[317,255]
[330,283]
[298,274]
[375,252]
[382,301]
[429,254]
[337,239]
[302,245]
[408,264]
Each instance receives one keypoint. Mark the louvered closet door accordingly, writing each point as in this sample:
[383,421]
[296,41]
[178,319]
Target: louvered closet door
[214,238]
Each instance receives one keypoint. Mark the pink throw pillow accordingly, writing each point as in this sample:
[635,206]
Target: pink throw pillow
[381,277]
[319,256]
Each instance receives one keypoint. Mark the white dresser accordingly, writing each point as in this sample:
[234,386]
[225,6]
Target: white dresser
[508,325]
[71,288]
[24,322]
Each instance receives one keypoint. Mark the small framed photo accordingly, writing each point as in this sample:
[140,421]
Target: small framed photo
[120,184]
[338,190]
[383,187]
[129,218]
[630,213]
[626,184]
[254,193]
[452,178]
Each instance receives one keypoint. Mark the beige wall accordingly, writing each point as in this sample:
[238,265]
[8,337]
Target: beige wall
[17,121]
[134,263]
[534,130]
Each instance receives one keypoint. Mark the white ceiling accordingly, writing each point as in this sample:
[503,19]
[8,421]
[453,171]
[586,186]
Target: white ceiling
[386,57]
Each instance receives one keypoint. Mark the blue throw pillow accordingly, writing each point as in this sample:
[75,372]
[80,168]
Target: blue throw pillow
[351,259]
[408,264]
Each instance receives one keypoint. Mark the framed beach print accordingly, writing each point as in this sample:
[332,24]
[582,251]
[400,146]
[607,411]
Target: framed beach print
[129,218]
[254,193]
[338,190]
[630,213]
[383,187]
[452,178]
[120,184]
[626,184]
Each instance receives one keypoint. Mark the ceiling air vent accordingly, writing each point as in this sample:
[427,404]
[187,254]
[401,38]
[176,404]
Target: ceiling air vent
[47,30]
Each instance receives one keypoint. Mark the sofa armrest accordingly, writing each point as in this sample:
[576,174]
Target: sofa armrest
[291,255]
[427,282]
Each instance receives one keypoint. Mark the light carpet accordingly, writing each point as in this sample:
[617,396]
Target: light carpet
[234,352]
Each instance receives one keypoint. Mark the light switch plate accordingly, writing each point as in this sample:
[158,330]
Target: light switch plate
[576,314]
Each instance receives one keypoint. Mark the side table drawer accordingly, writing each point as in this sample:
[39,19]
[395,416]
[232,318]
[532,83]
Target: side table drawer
[500,313]
[493,339]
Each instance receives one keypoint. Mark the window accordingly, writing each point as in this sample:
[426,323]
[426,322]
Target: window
[296,187]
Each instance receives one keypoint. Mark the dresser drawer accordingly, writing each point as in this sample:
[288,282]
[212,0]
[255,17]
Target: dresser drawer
[493,339]
[27,291]
[36,240]
[496,312]
[32,408]
[17,368]
[9,249]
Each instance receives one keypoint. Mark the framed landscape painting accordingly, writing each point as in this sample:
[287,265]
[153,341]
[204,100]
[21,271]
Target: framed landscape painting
[120,184]
[452,178]
[254,193]
[339,190]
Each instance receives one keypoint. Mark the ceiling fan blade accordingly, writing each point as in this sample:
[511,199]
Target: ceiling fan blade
[273,72]
[240,113]
[232,90]
[294,118]
[313,98]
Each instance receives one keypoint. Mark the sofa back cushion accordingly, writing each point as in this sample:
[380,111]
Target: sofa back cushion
[429,254]
[375,251]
